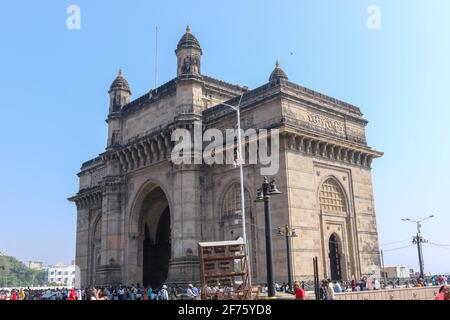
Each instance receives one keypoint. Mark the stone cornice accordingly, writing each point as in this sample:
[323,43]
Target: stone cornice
[332,149]
[150,149]
[88,198]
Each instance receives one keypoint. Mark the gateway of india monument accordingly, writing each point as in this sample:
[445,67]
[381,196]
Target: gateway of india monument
[140,216]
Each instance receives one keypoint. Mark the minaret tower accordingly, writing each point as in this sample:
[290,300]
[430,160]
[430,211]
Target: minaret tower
[189,54]
[119,96]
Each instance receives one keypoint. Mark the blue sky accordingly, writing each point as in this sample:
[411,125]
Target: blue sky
[54,97]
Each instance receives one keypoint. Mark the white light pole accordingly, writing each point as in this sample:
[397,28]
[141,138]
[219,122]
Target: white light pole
[241,172]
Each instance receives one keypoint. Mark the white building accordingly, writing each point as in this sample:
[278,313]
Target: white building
[62,275]
[401,272]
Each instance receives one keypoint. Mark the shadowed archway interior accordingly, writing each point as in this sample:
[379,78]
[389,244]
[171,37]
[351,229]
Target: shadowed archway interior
[156,243]
[335,258]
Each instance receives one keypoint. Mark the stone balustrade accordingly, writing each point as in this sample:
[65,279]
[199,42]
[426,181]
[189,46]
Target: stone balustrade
[426,293]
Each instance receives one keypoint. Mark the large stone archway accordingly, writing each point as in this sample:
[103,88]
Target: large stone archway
[156,239]
[150,245]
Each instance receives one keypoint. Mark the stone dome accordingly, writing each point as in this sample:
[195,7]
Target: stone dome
[120,83]
[278,73]
[188,40]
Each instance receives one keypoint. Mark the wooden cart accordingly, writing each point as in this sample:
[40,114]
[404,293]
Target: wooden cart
[224,270]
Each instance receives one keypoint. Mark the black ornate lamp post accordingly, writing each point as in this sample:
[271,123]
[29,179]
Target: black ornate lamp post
[263,195]
[288,233]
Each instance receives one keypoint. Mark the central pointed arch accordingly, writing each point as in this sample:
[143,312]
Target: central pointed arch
[150,243]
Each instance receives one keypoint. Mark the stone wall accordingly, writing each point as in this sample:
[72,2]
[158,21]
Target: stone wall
[427,293]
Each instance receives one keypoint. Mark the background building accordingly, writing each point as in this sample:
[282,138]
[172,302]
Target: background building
[35,265]
[61,275]
[397,272]
[140,216]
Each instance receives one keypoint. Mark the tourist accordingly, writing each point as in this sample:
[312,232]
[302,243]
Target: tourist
[163,293]
[14,295]
[442,291]
[121,293]
[376,284]
[369,285]
[21,294]
[323,290]
[190,293]
[447,295]
[299,292]
[354,285]
[337,287]
[196,291]
[330,290]
[73,294]
[420,283]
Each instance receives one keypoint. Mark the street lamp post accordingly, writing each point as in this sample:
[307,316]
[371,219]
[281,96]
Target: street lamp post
[241,174]
[418,240]
[263,195]
[288,233]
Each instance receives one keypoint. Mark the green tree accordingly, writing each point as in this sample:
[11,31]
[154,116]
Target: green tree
[14,273]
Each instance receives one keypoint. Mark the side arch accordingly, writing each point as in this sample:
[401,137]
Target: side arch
[231,218]
[337,227]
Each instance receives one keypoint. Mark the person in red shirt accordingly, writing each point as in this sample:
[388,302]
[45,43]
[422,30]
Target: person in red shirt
[73,294]
[442,291]
[299,292]
[13,295]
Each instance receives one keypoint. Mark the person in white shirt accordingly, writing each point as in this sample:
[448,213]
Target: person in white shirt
[330,290]
[337,287]
[376,284]
[190,293]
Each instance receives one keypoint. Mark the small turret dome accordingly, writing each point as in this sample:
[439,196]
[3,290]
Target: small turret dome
[120,83]
[188,40]
[278,73]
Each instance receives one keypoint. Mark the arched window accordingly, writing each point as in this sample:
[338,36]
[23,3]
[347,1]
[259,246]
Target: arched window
[332,197]
[232,201]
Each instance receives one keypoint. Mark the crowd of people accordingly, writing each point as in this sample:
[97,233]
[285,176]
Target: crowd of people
[103,293]
[327,290]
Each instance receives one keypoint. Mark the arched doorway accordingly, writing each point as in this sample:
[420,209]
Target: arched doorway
[335,258]
[156,239]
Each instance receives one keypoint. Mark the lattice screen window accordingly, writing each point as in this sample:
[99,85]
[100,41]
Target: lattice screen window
[332,197]
[232,201]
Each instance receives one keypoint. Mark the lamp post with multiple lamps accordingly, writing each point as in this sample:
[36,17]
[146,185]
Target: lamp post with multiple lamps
[263,195]
[418,240]
[288,233]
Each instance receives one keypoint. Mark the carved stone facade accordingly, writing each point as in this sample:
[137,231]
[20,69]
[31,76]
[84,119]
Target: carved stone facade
[140,216]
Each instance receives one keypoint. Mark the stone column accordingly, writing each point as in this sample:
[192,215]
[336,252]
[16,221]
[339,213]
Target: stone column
[186,229]
[110,271]
[82,244]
